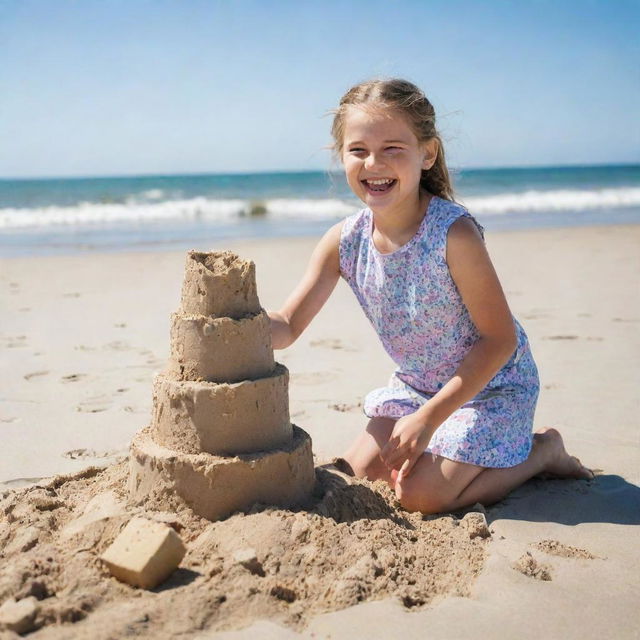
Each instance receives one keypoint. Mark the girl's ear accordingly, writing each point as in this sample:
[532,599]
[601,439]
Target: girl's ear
[430,153]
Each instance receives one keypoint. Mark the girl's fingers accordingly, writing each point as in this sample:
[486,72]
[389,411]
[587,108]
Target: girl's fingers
[410,463]
[403,471]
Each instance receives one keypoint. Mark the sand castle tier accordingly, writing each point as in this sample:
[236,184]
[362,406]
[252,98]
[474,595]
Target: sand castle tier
[220,435]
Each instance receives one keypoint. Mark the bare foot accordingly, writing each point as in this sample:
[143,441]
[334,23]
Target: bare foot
[560,464]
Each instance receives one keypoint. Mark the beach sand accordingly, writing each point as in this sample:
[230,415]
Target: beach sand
[81,337]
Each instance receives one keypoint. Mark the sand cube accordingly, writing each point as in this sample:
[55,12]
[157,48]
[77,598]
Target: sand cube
[476,525]
[145,553]
[18,616]
[219,284]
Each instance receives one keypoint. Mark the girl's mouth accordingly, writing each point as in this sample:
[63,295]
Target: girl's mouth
[376,187]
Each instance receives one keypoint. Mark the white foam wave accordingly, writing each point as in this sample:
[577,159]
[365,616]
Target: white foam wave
[553,200]
[91,213]
[135,212]
[234,210]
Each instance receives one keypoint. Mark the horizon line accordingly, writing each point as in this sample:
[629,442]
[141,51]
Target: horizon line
[185,174]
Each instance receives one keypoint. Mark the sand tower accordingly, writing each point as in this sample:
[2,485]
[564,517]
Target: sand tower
[220,434]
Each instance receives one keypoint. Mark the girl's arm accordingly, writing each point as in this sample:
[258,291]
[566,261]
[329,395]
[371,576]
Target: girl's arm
[473,273]
[311,292]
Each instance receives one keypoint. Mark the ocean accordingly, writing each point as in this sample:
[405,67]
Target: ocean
[71,215]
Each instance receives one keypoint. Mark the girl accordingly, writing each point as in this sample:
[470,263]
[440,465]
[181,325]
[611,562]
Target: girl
[454,424]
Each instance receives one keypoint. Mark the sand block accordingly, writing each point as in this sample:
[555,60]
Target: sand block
[145,553]
[221,349]
[18,616]
[476,525]
[219,284]
[216,486]
[223,419]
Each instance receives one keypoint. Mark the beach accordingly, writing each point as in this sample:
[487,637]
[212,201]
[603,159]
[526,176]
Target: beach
[82,336]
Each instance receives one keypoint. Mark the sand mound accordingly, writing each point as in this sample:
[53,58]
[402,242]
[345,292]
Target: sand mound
[353,543]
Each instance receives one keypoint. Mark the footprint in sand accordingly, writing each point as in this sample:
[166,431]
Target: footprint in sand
[344,407]
[555,548]
[625,319]
[117,345]
[317,377]
[73,377]
[130,409]
[71,294]
[8,420]
[536,314]
[13,342]
[84,347]
[560,337]
[153,361]
[96,404]
[35,374]
[120,325]
[330,343]
[24,309]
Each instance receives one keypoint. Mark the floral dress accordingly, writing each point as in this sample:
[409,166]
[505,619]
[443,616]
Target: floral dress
[414,305]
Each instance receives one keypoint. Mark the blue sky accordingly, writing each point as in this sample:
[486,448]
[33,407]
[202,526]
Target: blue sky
[106,87]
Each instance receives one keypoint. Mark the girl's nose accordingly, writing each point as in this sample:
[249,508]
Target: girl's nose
[372,160]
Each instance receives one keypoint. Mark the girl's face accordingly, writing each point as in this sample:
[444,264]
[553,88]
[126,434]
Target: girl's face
[383,159]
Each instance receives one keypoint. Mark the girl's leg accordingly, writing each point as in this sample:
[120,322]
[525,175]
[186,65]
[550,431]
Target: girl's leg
[548,456]
[437,484]
[364,454]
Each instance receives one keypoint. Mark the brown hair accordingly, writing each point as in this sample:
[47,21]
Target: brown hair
[404,97]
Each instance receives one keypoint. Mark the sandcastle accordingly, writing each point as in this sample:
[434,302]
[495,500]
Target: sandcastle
[220,434]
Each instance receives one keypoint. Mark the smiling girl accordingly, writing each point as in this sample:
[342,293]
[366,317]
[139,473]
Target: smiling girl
[454,424]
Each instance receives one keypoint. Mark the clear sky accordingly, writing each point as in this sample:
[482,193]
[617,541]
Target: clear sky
[113,87]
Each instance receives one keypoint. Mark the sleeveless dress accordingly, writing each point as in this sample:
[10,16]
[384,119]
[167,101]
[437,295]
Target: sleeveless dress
[414,305]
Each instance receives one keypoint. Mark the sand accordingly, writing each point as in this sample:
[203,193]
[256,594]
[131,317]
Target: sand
[81,338]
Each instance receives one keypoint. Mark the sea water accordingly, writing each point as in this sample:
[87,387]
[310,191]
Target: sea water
[44,216]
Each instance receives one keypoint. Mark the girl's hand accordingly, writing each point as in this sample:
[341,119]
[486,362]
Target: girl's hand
[409,439]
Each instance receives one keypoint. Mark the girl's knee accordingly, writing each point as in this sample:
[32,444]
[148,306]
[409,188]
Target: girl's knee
[367,466]
[415,496]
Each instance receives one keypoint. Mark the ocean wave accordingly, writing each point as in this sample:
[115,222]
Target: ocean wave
[553,200]
[194,209]
[149,210]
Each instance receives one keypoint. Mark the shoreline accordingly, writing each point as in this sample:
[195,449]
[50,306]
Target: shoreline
[180,236]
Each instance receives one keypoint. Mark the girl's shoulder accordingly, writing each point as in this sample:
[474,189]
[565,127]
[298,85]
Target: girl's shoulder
[446,213]
[354,223]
